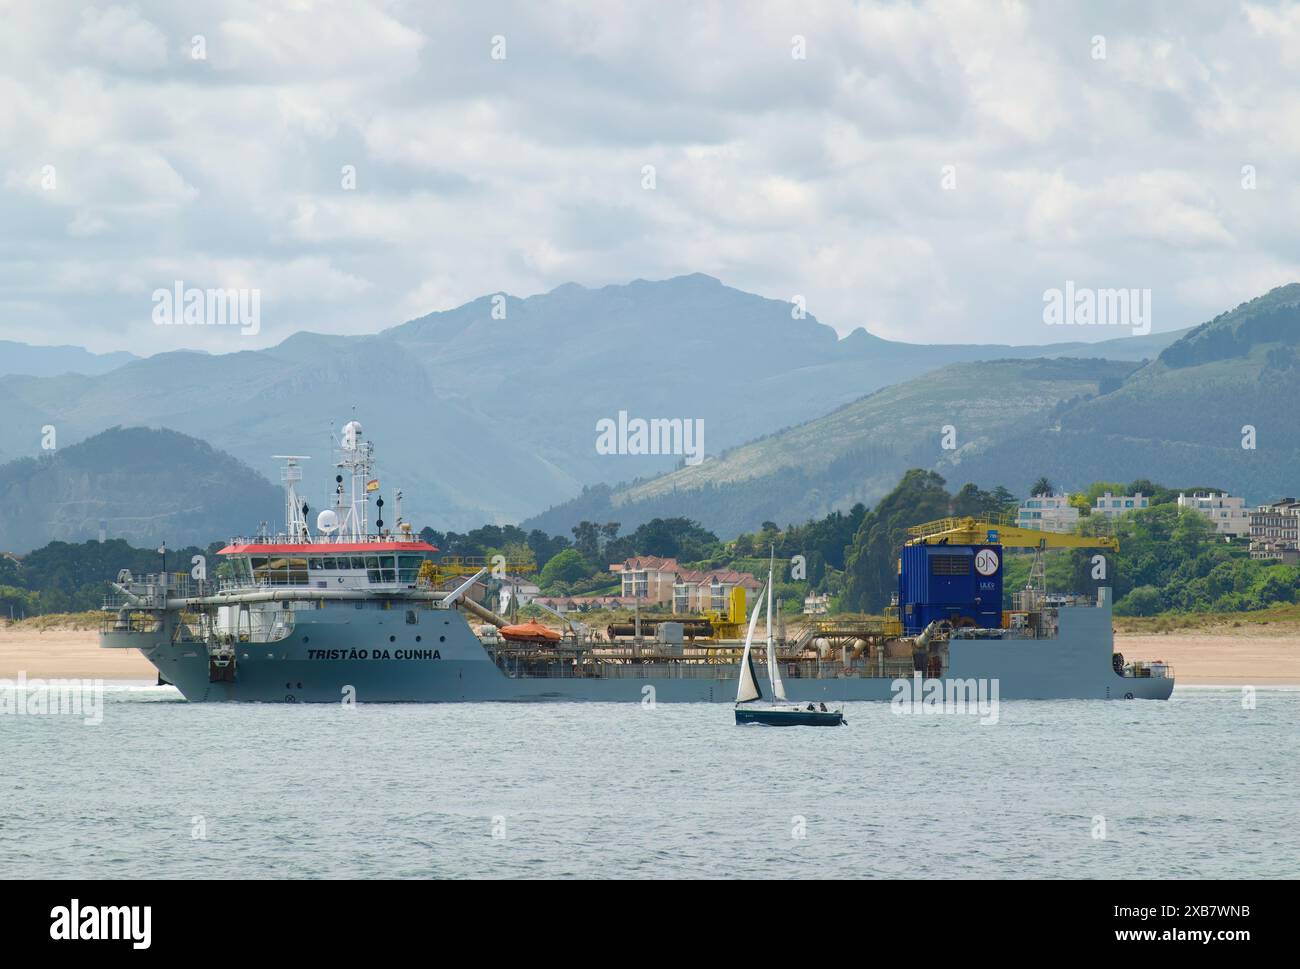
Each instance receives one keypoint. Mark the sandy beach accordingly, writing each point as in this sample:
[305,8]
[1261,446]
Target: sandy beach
[1248,655]
[71,653]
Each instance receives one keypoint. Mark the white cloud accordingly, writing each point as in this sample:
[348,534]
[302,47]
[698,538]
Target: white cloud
[121,37]
[819,176]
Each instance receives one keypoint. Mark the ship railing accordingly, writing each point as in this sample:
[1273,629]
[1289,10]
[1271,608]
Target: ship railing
[890,669]
[564,670]
[1029,600]
[614,671]
[131,622]
[152,591]
[1147,671]
[325,542]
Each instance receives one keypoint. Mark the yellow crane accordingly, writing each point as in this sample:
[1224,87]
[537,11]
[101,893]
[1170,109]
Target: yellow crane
[990,531]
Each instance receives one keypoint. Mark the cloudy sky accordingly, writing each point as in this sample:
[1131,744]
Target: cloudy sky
[1099,143]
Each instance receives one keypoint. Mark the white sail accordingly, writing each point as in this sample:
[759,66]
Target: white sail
[747,689]
[774,674]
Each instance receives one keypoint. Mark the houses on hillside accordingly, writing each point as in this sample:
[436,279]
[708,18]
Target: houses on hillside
[1273,529]
[664,582]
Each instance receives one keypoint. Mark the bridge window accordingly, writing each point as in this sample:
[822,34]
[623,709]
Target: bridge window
[408,567]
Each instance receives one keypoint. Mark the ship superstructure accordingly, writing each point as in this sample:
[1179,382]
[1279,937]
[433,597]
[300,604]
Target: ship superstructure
[346,611]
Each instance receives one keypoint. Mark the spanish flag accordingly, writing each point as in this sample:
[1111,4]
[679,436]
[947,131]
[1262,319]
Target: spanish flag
[372,484]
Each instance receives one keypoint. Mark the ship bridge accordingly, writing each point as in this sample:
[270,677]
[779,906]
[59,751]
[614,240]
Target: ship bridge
[327,565]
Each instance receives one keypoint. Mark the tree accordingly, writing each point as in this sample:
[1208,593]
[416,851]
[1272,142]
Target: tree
[972,500]
[1042,487]
[1007,502]
[1142,601]
[678,538]
[563,569]
[545,546]
[870,560]
[586,539]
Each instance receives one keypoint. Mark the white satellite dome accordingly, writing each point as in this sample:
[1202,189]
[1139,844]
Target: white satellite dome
[351,431]
[327,521]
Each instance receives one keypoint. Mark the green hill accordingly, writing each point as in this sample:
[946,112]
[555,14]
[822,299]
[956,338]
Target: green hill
[859,451]
[1179,417]
[147,486]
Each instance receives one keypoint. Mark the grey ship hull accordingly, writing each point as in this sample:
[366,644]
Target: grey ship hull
[338,653]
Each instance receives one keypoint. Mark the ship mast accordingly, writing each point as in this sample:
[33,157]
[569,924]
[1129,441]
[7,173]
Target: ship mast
[356,459]
[295,509]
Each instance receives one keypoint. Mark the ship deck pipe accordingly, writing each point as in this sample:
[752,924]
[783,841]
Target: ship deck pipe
[300,595]
[125,591]
[487,615]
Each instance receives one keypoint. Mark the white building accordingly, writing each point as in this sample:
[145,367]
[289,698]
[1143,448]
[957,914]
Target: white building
[1229,514]
[516,587]
[816,605]
[1048,513]
[1115,505]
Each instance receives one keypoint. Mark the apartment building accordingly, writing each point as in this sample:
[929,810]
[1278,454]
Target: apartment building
[1275,531]
[1048,513]
[1112,506]
[1229,514]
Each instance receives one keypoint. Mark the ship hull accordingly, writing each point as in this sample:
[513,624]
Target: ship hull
[338,654]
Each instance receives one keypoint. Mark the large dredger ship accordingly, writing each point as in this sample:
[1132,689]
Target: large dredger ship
[345,613]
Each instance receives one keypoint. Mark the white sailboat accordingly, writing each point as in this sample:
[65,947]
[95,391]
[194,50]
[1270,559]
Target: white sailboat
[751,705]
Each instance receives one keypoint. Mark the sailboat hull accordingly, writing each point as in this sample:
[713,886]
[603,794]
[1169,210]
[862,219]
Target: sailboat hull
[790,717]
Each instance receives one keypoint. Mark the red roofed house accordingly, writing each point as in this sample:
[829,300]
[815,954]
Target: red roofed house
[648,578]
[663,581]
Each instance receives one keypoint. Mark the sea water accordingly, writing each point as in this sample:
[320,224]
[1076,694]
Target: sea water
[1201,786]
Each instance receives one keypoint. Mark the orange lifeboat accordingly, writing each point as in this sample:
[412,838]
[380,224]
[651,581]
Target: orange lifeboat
[530,632]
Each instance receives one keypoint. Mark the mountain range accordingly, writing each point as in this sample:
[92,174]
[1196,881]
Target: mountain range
[1218,404]
[488,412]
[41,361]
